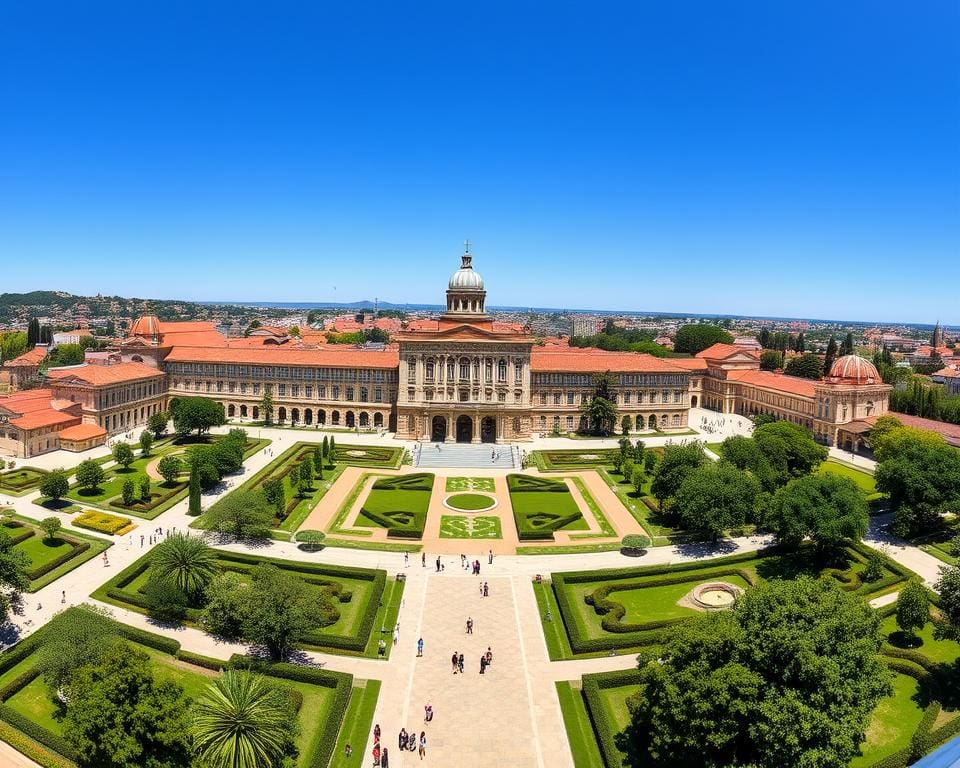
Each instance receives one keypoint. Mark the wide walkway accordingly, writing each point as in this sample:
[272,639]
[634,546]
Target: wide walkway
[507,717]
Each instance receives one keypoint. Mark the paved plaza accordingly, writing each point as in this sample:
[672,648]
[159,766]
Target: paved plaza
[509,716]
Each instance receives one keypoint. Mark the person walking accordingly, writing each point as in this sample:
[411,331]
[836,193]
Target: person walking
[423,744]
[469,626]
[490,558]
[423,559]
[420,647]
[406,559]
[453,660]
[385,759]
[438,563]
[460,663]
[486,589]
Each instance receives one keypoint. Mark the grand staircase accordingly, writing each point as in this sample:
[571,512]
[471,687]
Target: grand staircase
[466,455]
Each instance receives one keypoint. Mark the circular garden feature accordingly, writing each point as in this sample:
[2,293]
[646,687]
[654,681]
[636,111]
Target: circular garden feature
[470,502]
[715,595]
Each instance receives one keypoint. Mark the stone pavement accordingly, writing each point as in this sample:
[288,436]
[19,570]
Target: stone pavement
[508,717]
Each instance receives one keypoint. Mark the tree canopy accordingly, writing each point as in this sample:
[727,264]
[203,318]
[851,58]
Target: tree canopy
[676,463]
[788,677]
[807,366]
[789,448]
[241,513]
[696,337]
[827,508]
[196,413]
[715,497]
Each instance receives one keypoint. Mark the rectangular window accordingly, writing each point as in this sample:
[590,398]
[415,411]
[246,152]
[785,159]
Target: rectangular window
[556,398]
[569,423]
[282,390]
[295,390]
[321,391]
[569,398]
[335,392]
[349,393]
[378,394]
[308,391]
[626,398]
[256,389]
[543,398]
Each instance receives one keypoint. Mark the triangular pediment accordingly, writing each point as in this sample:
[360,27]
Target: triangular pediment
[466,330]
[135,341]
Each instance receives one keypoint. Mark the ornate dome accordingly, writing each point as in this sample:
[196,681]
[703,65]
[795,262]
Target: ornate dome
[851,369]
[145,325]
[466,278]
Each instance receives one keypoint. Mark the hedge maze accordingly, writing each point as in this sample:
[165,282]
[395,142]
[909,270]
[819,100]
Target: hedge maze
[399,503]
[20,481]
[50,558]
[27,710]
[542,506]
[351,598]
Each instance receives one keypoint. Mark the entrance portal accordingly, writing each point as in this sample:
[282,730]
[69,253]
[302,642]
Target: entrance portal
[464,429]
[438,429]
[488,430]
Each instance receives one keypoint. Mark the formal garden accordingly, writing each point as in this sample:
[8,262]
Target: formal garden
[398,503]
[340,609]
[543,506]
[49,551]
[85,687]
[468,484]
[920,709]
[19,481]
[470,527]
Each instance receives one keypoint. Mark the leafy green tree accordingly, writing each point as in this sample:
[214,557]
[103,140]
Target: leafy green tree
[311,540]
[789,677]
[281,610]
[635,542]
[241,514]
[273,493]
[627,469]
[50,526]
[807,366]
[771,360]
[165,601]
[294,476]
[789,449]
[170,468]
[197,413]
[54,485]
[677,462]
[127,492]
[638,478]
[318,461]
[120,716]
[242,720]
[306,477]
[226,603]
[89,475]
[266,405]
[828,508]
[921,479]
[830,356]
[13,573]
[325,447]
[123,454]
[650,461]
[696,337]
[625,425]
[187,561]
[846,347]
[33,332]
[874,570]
[600,409]
[145,488]
[890,439]
[72,639]
[146,442]
[157,423]
[948,587]
[193,505]
[332,454]
[913,607]
[714,498]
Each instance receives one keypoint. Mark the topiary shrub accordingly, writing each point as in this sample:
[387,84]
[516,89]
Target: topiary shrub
[634,544]
[311,541]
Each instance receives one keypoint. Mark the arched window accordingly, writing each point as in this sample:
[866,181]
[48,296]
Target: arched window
[502,370]
[450,370]
[350,419]
[464,368]
[295,416]
[321,416]
[378,419]
[282,414]
[518,372]
[231,410]
[243,411]
[335,418]
[488,371]
[256,412]
[364,419]
[429,370]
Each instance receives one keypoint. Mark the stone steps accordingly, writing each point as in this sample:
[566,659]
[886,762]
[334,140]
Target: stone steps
[466,455]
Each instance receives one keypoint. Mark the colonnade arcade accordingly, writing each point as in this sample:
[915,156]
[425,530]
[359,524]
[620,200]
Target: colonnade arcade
[464,428]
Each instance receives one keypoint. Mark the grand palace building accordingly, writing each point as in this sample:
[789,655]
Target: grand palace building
[460,377]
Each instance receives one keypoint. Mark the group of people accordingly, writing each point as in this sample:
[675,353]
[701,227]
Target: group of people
[405,742]
[457,660]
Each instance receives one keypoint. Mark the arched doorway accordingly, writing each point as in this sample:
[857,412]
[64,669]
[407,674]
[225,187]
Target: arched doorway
[321,416]
[281,414]
[243,411]
[231,410]
[256,412]
[693,401]
[652,422]
[364,419]
[308,416]
[350,421]
[295,416]
[464,429]
[378,420]
[438,429]
[488,430]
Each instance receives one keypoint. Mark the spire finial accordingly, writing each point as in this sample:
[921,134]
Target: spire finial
[466,245]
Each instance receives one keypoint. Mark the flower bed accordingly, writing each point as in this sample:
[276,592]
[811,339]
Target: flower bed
[103,522]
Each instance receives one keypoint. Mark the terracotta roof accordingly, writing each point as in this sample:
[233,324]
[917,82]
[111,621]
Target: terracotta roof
[950,432]
[723,351]
[27,401]
[99,375]
[81,432]
[792,385]
[34,356]
[950,372]
[269,330]
[43,418]
[690,363]
[597,361]
[253,342]
[187,326]
[332,355]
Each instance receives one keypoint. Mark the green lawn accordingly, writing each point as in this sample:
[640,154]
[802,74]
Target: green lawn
[470,502]
[43,552]
[457,484]
[944,651]
[398,503]
[542,506]
[864,480]
[576,720]
[34,702]
[21,480]
[357,724]
[470,527]
[651,521]
[892,723]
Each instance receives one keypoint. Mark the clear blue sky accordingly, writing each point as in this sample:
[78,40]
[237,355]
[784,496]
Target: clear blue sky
[750,157]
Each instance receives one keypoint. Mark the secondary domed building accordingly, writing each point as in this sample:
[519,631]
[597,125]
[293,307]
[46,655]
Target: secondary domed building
[853,369]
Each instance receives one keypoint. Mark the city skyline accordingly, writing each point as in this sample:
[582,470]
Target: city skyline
[759,161]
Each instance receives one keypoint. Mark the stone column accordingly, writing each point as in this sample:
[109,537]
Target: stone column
[476,429]
[451,429]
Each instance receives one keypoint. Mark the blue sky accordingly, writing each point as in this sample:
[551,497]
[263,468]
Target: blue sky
[753,157]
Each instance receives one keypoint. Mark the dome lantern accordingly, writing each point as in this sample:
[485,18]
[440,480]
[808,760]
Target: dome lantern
[466,296]
[853,369]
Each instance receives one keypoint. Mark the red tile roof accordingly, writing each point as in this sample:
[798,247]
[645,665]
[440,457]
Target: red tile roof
[792,385]
[99,375]
[950,432]
[549,359]
[723,351]
[332,355]
[695,364]
[81,432]
[34,356]
[27,401]
[43,418]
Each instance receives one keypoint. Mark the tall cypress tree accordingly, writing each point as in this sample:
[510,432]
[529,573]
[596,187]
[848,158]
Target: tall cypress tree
[33,332]
[830,356]
[847,347]
[193,507]
[801,343]
[326,447]
[333,450]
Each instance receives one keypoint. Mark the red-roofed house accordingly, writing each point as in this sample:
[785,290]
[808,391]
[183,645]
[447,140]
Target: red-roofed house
[31,422]
[26,366]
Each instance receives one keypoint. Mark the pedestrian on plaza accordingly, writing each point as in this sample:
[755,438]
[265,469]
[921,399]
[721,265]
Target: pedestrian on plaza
[402,739]
[406,559]
[460,663]
[427,714]
[423,744]
[412,741]
[376,754]
[396,634]
[376,733]
[63,596]
[453,660]
[106,562]
[423,559]
[469,626]
[438,563]
[488,656]
[483,664]
[385,759]
[420,647]
[486,589]
[481,589]
[490,558]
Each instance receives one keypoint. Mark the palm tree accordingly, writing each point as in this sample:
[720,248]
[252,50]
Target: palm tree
[187,561]
[243,722]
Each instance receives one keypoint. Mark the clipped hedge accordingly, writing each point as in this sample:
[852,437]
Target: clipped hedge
[33,749]
[77,548]
[103,522]
[37,732]
[602,727]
